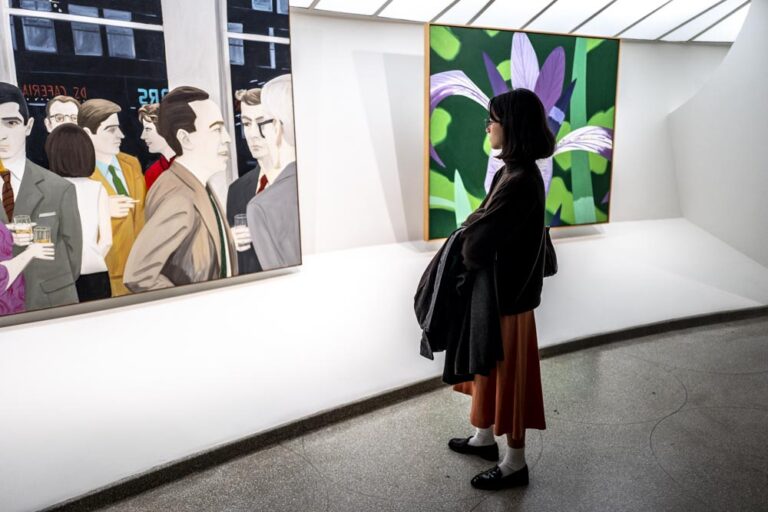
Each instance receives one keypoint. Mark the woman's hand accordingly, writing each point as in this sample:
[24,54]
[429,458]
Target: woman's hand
[43,252]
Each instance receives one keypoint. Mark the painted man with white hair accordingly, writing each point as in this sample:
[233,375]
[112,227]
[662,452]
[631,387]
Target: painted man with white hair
[273,213]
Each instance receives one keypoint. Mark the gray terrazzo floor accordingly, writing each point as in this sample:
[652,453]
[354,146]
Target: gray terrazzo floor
[662,423]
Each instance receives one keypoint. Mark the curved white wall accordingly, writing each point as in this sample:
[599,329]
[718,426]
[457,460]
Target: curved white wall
[718,141]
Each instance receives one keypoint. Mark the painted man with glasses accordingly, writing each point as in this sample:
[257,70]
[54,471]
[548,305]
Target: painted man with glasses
[242,190]
[61,110]
[273,212]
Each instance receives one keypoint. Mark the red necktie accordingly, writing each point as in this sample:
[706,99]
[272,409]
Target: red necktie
[262,183]
[8,203]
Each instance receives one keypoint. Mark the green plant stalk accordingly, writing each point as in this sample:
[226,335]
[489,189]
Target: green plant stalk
[581,175]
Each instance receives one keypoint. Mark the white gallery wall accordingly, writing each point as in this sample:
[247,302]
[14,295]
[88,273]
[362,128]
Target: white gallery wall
[91,399]
[718,138]
[367,91]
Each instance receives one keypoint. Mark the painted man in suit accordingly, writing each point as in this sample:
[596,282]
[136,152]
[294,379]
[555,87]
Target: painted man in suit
[244,188]
[273,212]
[186,238]
[49,200]
[122,177]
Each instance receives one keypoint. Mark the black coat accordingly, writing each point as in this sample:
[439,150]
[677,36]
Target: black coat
[241,191]
[506,234]
[457,312]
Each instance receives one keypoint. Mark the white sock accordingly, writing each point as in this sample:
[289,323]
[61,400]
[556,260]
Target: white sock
[514,460]
[483,437]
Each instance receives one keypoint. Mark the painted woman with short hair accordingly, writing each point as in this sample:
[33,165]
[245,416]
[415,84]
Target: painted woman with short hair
[506,233]
[149,115]
[71,156]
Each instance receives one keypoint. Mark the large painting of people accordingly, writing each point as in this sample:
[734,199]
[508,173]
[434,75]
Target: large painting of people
[145,188]
[576,80]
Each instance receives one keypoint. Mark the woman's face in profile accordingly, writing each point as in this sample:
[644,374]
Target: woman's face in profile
[495,132]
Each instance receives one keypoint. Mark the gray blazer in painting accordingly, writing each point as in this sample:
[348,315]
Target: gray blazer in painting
[51,201]
[180,242]
[273,220]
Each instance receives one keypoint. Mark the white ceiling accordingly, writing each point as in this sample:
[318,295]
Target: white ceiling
[668,20]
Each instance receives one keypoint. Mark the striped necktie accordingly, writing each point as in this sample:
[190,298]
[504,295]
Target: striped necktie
[8,202]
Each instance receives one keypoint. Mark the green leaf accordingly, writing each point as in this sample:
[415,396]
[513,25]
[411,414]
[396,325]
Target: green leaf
[438,203]
[474,201]
[505,70]
[461,199]
[558,196]
[597,163]
[601,217]
[438,126]
[492,33]
[594,43]
[487,145]
[604,119]
[444,43]
[440,186]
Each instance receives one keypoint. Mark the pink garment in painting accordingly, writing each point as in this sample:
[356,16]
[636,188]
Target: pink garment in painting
[11,299]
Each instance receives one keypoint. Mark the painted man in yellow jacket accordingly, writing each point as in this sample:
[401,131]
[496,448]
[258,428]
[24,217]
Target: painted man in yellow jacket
[122,177]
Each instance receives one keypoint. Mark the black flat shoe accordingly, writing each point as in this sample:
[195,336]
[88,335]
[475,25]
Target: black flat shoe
[490,452]
[492,480]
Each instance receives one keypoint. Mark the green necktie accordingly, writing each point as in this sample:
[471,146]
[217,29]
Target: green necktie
[119,187]
[222,239]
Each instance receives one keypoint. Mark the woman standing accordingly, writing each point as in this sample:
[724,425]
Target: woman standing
[71,155]
[506,234]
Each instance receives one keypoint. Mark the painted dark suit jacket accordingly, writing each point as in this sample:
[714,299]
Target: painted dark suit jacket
[51,201]
[241,191]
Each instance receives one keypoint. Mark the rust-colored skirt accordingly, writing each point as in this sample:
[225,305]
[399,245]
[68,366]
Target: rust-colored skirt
[510,397]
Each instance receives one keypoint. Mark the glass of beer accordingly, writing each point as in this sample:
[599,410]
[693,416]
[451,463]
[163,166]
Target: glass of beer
[42,235]
[22,225]
[241,219]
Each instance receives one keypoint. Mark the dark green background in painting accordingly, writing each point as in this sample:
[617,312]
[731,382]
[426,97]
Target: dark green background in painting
[462,149]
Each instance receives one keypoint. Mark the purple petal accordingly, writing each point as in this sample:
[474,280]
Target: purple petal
[525,64]
[454,83]
[494,164]
[498,84]
[435,156]
[593,139]
[558,113]
[549,85]
[546,167]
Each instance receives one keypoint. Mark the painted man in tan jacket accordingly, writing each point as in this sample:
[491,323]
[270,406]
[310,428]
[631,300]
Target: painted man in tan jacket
[186,238]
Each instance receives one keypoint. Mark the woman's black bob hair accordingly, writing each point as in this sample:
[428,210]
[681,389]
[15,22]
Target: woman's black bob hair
[527,136]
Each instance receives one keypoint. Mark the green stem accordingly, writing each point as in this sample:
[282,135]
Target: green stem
[581,175]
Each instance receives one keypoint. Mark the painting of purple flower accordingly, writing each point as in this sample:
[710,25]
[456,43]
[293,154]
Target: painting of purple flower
[564,101]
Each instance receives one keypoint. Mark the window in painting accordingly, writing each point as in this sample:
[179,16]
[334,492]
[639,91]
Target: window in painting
[86,36]
[120,39]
